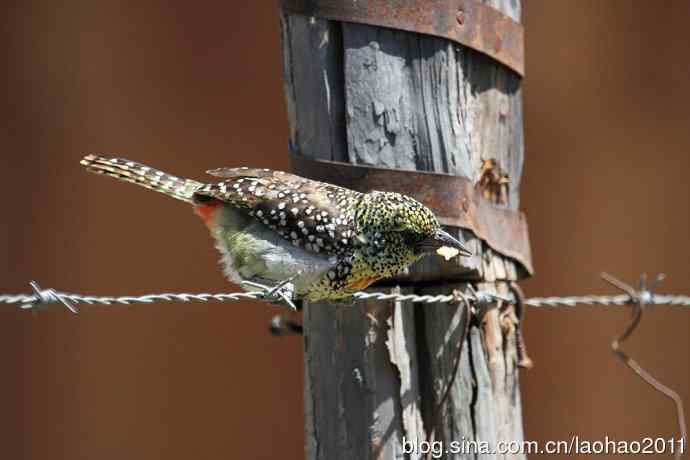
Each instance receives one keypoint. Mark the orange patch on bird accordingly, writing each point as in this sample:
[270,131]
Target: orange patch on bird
[361,283]
[207,211]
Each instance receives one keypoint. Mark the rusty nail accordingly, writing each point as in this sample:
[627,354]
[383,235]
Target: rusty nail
[460,17]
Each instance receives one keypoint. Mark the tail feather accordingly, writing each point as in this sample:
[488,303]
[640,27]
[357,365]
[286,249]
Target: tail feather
[136,173]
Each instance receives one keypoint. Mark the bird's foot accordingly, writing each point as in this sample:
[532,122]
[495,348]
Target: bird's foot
[285,324]
[283,292]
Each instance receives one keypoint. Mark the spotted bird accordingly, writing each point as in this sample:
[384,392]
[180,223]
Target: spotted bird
[271,226]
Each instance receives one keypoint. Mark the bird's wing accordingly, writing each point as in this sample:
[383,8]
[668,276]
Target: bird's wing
[313,215]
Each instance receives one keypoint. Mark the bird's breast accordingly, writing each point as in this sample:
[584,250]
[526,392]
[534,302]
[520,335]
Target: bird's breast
[252,251]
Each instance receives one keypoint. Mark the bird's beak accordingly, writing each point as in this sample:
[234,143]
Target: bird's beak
[442,239]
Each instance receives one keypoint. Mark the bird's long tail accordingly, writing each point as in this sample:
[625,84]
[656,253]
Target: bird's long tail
[129,171]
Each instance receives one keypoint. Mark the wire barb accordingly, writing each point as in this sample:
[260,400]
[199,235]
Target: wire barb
[46,296]
[639,299]
[282,292]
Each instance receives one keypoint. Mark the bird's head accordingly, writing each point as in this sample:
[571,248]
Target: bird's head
[383,218]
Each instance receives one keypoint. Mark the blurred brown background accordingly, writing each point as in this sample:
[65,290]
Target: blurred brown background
[189,86]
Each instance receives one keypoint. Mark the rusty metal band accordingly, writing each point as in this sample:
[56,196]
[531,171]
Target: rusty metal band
[454,199]
[468,22]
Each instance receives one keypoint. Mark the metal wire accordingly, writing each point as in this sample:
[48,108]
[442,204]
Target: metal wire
[607,300]
[638,299]
[41,297]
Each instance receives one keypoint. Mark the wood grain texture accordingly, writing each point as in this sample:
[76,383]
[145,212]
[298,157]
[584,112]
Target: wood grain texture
[375,372]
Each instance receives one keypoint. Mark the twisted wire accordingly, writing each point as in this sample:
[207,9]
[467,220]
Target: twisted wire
[42,297]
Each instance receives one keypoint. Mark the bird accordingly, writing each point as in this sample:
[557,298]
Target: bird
[300,238]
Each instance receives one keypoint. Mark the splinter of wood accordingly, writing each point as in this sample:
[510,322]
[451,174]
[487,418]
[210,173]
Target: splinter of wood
[460,298]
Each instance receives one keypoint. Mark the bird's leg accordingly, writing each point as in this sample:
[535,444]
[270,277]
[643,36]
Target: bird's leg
[281,293]
[286,324]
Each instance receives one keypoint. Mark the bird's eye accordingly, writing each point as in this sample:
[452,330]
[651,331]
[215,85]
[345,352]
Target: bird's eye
[410,237]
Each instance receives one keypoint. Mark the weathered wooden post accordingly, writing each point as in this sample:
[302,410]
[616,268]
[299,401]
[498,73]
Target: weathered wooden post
[426,85]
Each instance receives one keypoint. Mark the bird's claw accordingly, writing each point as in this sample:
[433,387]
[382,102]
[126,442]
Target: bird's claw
[283,292]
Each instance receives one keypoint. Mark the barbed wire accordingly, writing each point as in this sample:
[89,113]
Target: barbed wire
[637,298]
[42,297]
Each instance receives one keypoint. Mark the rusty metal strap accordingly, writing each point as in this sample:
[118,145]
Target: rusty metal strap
[453,198]
[468,22]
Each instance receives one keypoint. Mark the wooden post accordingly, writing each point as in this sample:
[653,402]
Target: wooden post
[376,371]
